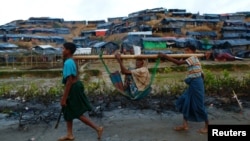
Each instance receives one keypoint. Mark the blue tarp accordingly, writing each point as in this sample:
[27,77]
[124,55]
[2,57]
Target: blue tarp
[106,47]
[7,46]
[243,54]
[202,33]
[231,35]
[231,43]
[233,28]
[41,49]
[107,25]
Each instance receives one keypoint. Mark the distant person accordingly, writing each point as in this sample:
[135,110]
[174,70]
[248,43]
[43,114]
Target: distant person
[226,57]
[74,102]
[191,102]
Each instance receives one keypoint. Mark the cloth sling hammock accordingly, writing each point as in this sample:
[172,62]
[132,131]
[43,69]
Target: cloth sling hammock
[118,83]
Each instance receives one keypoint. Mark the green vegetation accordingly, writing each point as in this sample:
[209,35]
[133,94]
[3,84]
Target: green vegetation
[30,73]
[26,90]
[220,80]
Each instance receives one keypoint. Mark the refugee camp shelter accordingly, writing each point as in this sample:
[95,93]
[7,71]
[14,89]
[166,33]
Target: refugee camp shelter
[107,25]
[106,48]
[88,33]
[4,46]
[46,50]
[233,16]
[246,36]
[236,29]
[233,23]
[30,37]
[168,29]
[101,32]
[181,14]
[7,28]
[145,28]
[45,20]
[82,41]
[96,22]
[202,34]
[115,19]
[238,47]
[131,28]
[236,43]
[176,10]
[226,36]
[46,53]
[154,43]
[133,39]
[43,30]
[83,51]
[8,52]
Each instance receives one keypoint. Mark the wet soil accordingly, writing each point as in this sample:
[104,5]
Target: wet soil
[150,119]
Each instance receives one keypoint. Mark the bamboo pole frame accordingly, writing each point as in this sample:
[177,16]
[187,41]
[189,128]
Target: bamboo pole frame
[142,56]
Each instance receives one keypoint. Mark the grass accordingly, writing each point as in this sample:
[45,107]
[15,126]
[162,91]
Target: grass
[220,78]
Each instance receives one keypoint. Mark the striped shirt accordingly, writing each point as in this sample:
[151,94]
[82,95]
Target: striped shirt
[194,67]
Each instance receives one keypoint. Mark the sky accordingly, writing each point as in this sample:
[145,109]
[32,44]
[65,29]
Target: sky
[80,10]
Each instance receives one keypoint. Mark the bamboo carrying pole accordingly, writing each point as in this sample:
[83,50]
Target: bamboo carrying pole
[143,56]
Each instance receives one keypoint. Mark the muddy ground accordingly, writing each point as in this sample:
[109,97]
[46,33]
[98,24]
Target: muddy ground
[151,119]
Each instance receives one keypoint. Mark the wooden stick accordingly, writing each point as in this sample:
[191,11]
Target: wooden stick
[58,119]
[144,56]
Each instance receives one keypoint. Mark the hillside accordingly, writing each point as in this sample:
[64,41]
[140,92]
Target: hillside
[172,23]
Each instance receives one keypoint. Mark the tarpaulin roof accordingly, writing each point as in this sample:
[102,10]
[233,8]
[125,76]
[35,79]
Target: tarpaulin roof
[234,21]
[15,52]
[238,42]
[107,47]
[189,20]
[33,36]
[155,39]
[104,25]
[231,43]
[46,49]
[202,33]
[103,44]
[231,35]
[247,24]
[8,27]
[7,46]
[234,28]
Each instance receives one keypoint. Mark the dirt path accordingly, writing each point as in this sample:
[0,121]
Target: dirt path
[126,125]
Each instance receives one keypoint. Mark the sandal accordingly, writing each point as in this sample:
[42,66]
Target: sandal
[180,128]
[99,132]
[66,138]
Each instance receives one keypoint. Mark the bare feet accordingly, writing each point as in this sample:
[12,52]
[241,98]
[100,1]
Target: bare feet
[99,132]
[181,128]
[66,138]
[202,131]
